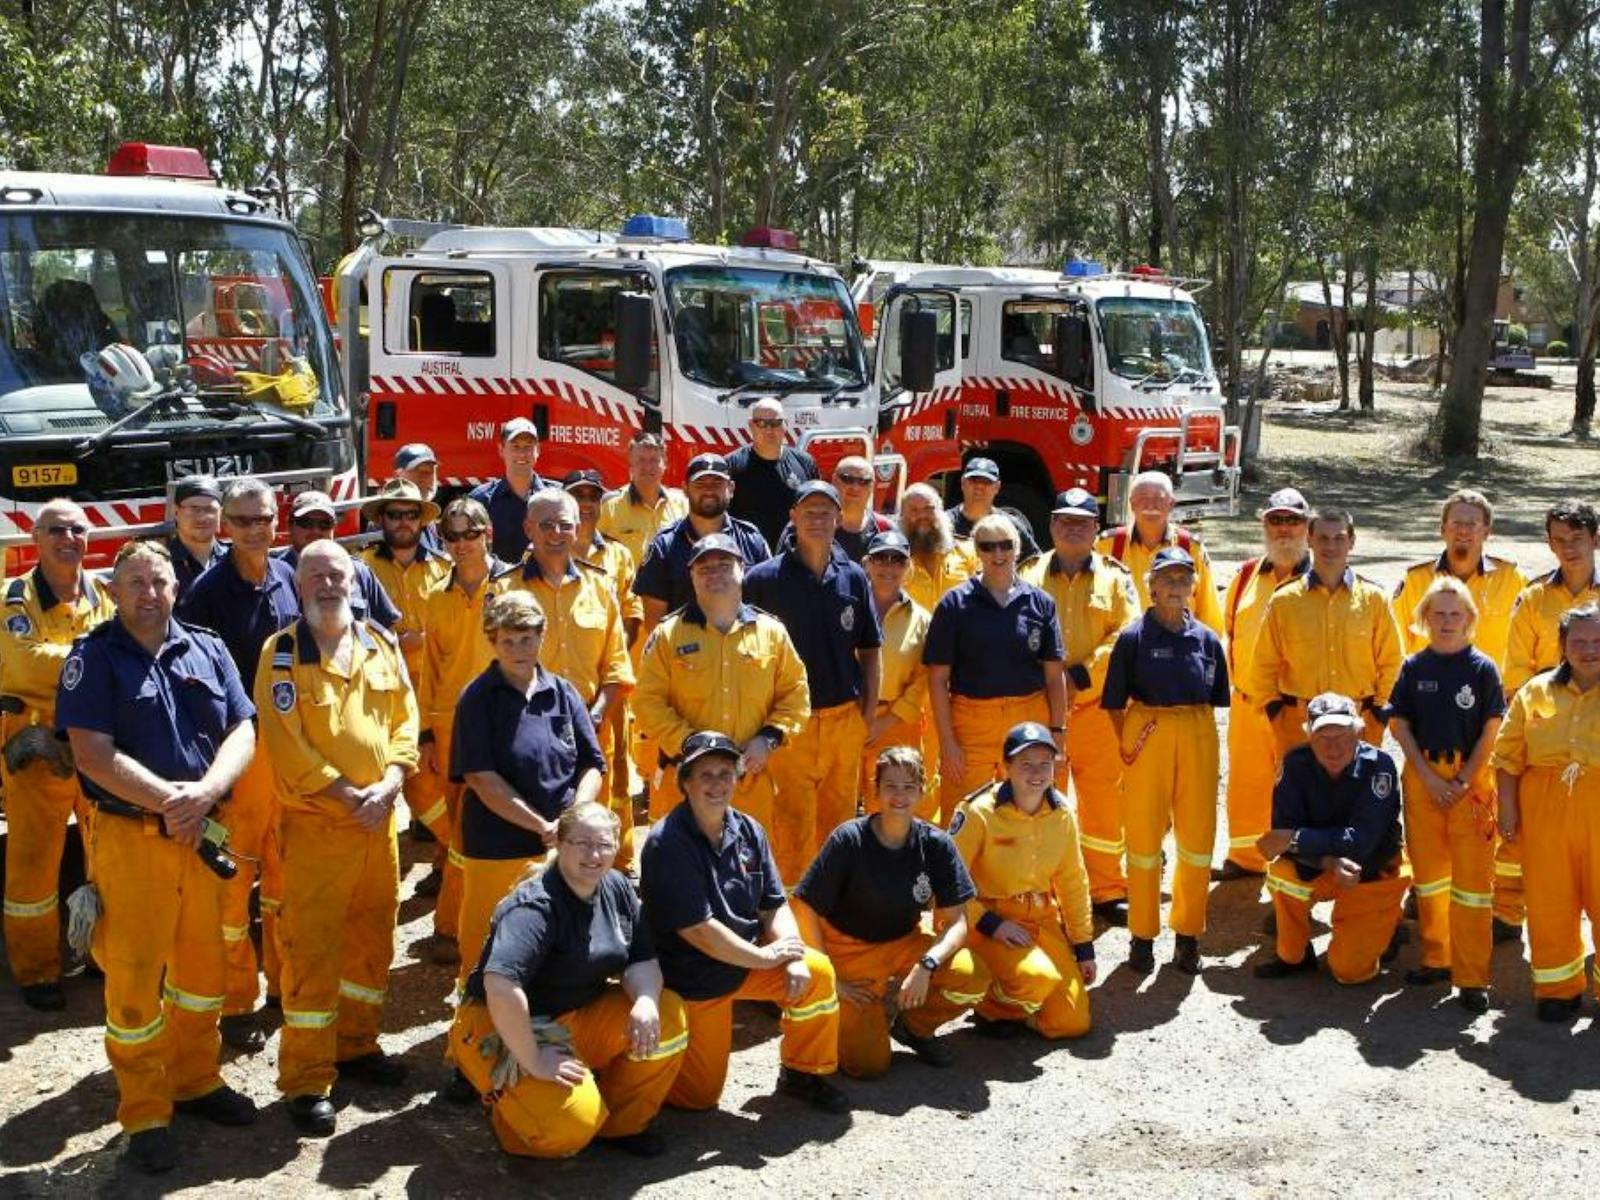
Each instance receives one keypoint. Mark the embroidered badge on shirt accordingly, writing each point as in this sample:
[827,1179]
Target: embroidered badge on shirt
[72,673]
[283,696]
[1382,785]
[957,822]
[1034,637]
[922,889]
[688,648]
[847,619]
[1464,698]
[19,624]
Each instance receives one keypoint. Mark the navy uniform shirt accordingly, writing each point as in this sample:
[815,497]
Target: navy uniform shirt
[243,614]
[828,619]
[993,651]
[507,512]
[1356,816]
[1028,546]
[540,745]
[866,890]
[847,543]
[664,574]
[560,949]
[763,488]
[186,566]
[369,599]
[170,712]
[1447,699]
[685,881]
[1162,669]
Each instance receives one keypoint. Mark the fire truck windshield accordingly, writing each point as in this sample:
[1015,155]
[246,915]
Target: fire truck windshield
[754,328]
[223,313]
[1152,340]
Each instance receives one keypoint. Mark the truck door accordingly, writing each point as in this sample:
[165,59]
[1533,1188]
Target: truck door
[441,355]
[923,428]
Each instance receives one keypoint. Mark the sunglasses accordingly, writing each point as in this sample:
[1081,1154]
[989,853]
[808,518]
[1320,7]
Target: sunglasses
[61,531]
[325,524]
[1282,519]
[402,514]
[767,422]
[557,526]
[461,535]
[249,522]
[855,480]
[884,556]
[994,547]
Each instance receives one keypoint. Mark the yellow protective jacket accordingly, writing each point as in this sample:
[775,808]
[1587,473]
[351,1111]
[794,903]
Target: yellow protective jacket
[927,584]
[1245,606]
[583,637]
[318,723]
[36,632]
[456,650]
[1494,587]
[1550,724]
[620,565]
[693,677]
[409,585]
[1534,641]
[626,517]
[1122,543]
[1091,607]
[1315,640]
[904,687]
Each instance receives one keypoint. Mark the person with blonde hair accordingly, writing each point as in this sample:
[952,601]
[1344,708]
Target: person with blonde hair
[1445,711]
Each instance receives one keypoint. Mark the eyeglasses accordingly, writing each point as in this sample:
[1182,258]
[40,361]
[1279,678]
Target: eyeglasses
[994,547]
[893,560]
[402,514]
[61,531]
[461,535]
[249,522]
[1279,520]
[767,422]
[325,524]
[557,526]
[585,846]
[854,480]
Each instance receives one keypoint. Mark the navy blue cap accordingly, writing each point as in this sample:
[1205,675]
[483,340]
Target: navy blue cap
[1075,502]
[707,464]
[586,477]
[707,741]
[715,543]
[981,468]
[191,486]
[1029,733]
[890,541]
[414,454]
[1172,556]
[816,487]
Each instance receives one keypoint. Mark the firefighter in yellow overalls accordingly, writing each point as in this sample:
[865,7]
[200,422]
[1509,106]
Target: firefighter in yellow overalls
[940,561]
[1151,500]
[902,718]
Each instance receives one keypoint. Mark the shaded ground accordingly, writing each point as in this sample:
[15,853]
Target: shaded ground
[1220,1086]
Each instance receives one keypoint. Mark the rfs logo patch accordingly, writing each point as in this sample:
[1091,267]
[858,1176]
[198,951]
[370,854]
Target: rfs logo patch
[847,619]
[1464,698]
[922,890]
[283,696]
[72,673]
[19,625]
[957,822]
[1034,637]
[1382,785]
[1081,431]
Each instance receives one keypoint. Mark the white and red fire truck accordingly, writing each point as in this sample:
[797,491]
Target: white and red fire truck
[212,301]
[595,336]
[1078,379]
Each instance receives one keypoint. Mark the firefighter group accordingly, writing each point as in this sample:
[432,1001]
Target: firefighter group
[899,772]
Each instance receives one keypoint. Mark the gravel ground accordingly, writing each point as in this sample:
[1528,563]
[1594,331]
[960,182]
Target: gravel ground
[1218,1086]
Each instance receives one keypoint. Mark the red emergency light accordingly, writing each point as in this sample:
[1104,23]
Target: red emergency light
[159,162]
[1146,271]
[768,238]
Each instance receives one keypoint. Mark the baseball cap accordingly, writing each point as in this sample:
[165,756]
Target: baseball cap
[815,487]
[1330,709]
[587,477]
[1286,500]
[982,468]
[414,454]
[890,541]
[715,543]
[1172,556]
[707,464]
[1029,733]
[1075,502]
[707,741]
[312,502]
[191,486]
[516,427]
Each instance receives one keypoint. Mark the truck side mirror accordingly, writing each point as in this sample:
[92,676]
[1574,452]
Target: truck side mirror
[919,349]
[635,318]
[1072,350]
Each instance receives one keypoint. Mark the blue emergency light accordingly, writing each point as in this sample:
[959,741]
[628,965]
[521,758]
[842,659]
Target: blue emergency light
[1081,268]
[662,229]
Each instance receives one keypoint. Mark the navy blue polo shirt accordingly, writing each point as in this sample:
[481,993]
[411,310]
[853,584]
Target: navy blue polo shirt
[664,574]
[507,512]
[186,566]
[764,488]
[1162,669]
[243,614]
[170,711]
[686,881]
[368,598]
[1028,545]
[1354,816]
[993,651]
[1447,699]
[828,619]
[868,891]
[540,745]
[560,949]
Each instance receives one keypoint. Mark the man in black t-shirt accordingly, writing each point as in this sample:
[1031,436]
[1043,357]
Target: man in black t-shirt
[766,473]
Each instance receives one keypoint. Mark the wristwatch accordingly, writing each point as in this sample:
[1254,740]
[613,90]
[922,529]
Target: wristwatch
[929,963]
[1294,843]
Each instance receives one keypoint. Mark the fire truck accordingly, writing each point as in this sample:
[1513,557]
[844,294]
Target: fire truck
[155,325]
[594,336]
[1079,379]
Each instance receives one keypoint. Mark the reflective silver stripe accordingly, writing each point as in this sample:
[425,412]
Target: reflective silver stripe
[1102,845]
[1557,974]
[1193,859]
[962,999]
[308,1020]
[1433,887]
[1025,1005]
[1471,899]
[134,1037]
[1243,842]
[1508,870]
[670,1048]
[1144,862]
[235,933]
[433,814]
[1299,891]
[271,906]
[354,991]
[811,1011]
[456,859]
[190,1001]
[36,908]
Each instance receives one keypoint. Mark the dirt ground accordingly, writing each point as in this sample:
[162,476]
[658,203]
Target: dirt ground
[1217,1086]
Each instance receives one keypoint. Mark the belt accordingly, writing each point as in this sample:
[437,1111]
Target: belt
[121,808]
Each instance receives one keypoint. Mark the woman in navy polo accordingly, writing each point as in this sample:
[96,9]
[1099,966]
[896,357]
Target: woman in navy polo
[526,750]
[994,658]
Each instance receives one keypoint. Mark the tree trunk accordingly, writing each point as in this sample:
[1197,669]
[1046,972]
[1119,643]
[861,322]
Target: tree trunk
[1585,255]
[1369,332]
[1338,333]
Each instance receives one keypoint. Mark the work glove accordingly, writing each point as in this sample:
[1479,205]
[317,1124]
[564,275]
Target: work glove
[83,911]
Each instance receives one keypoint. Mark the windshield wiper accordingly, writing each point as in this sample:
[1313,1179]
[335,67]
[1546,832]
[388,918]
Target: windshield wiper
[96,441]
[300,424]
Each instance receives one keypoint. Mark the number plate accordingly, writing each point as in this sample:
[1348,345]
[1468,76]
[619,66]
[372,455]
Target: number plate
[44,475]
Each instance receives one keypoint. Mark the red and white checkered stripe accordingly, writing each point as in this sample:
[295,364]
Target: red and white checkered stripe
[622,412]
[239,352]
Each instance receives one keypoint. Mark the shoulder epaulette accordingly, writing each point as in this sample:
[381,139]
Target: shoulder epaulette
[589,564]
[283,651]
[383,631]
[1430,561]
[17,590]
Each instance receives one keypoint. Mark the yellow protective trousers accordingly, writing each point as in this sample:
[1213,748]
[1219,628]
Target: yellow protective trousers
[956,986]
[980,727]
[1172,783]
[1040,984]
[443,820]
[617,794]
[1252,772]
[484,883]
[159,941]
[1509,903]
[1364,918]
[1096,773]
[815,775]
[903,733]
[809,1028]
[1452,869]
[251,817]
[38,806]
[620,1096]
[340,896]
[1560,836]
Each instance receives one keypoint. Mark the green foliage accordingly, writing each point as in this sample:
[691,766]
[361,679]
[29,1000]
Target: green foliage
[1556,348]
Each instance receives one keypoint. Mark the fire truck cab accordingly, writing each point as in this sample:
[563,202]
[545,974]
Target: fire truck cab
[595,336]
[1078,379]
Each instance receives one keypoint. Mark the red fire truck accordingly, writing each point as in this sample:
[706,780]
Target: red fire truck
[207,295]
